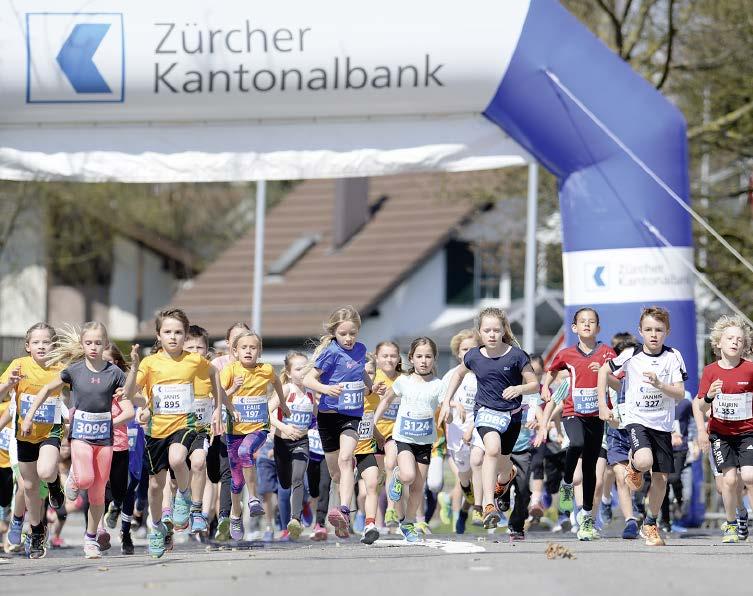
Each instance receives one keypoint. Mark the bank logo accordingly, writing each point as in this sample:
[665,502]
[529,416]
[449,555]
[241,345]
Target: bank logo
[597,276]
[75,58]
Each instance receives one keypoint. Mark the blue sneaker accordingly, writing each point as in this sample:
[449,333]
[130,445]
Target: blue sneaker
[631,530]
[360,522]
[156,538]
[181,511]
[395,487]
[460,522]
[409,532]
[605,512]
[198,522]
[268,536]
[236,528]
[255,508]
[14,536]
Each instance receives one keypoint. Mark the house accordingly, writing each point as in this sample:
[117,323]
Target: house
[143,272]
[391,246]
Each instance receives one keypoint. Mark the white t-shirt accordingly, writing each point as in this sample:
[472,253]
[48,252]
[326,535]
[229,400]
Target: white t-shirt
[465,396]
[644,403]
[418,404]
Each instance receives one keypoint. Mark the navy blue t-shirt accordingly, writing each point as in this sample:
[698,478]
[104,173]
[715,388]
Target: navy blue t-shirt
[683,412]
[494,375]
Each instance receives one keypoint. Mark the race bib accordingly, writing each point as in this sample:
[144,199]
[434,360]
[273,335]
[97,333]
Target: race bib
[301,413]
[91,426]
[252,409]
[499,421]
[468,402]
[203,408]
[585,400]
[416,427]
[733,406]
[653,401]
[50,412]
[366,427]
[351,398]
[5,436]
[133,434]
[391,412]
[172,400]
[315,442]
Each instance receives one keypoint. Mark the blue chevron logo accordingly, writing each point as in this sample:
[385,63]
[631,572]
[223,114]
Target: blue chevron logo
[76,58]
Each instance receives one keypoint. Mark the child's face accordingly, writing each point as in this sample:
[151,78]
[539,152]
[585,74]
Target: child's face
[423,359]
[653,332]
[387,358]
[172,335]
[538,370]
[466,346]
[297,366]
[346,333]
[197,345]
[586,325]
[732,343]
[39,344]
[490,330]
[94,343]
[247,350]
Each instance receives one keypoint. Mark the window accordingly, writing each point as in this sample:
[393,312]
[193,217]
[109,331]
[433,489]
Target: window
[473,272]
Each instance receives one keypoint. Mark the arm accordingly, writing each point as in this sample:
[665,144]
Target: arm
[546,394]
[545,417]
[14,377]
[605,413]
[384,403]
[700,424]
[530,385]
[281,396]
[675,391]
[368,381]
[452,387]
[311,380]
[714,389]
[5,419]
[129,388]
[127,413]
[53,385]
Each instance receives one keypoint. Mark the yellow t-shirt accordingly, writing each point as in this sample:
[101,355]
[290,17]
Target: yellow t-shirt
[366,441]
[251,400]
[203,401]
[5,437]
[48,421]
[168,385]
[387,422]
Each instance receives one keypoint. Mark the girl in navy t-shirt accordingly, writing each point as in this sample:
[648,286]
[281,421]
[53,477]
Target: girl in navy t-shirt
[504,374]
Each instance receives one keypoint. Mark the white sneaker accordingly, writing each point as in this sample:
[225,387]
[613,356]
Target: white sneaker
[71,490]
[370,534]
[91,549]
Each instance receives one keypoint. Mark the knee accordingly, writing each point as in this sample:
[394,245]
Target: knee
[407,475]
[345,461]
[48,473]
[177,461]
[198,461]
[643,461]
[747,475]
[730,479]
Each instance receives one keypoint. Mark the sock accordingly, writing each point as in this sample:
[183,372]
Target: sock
[253,498]
[370,520]
[606,500]
[18,519]
[466,489]
[186,494]
[345,509]
[586,513]
[167,512]
[38,529]
[732,523]
[742,513]
[125,526]
[90,537]
[650,519]
[196,506]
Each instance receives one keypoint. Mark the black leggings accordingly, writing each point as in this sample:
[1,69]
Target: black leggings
[291,459]
[319,482]
[586,435]
[674,481]
[6,487]
[118,485]
[218,470]
[519,513]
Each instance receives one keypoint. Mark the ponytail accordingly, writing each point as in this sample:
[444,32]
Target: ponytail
[68,348]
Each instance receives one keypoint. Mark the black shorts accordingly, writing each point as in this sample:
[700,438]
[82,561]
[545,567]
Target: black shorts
[29,452]
[507,438]
[422,453]
[364,461]
[603,453]
[157,450]
[731,451]
[332,425]
[658,441]
[200,442]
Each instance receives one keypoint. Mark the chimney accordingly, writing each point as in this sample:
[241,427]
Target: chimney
[351,208]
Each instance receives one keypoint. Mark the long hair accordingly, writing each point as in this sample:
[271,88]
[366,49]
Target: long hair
[285,374]
[341,315]
[507,335]
[422,341]
[171,313]
[41,327]
[399,365]
[68,348]
[117,357]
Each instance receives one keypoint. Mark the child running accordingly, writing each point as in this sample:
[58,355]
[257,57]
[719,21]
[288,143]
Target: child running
[580,415]
[654,380]
[503,375]
[726,389]
[39,448]
[93,382]
[338,374]
[420,393]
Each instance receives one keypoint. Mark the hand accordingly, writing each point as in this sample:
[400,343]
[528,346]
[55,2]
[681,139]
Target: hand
[144,416]
[461,414]
[594,367]
[218,426]
[532,425]
[291,432]
[512,392]
[540,437]
[676,440]
[379,438]
[468,436]
[285,410]
[703,441]
[653,379]
[379,388]
[333,390]
[606,414]
[546,394]
[119,393]
[26,426]
[135,356]
[715,389]
[444,415]
[237,384]
[15,376]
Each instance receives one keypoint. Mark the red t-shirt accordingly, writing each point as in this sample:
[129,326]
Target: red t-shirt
[581,398]
[732,409]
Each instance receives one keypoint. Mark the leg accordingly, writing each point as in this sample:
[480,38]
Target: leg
[729,492]
[345,462]
[177,456]
[490,466]
[102,459]
[519,513]
[156,491]
[415,492]
[623,491]
[592,439]
[390,461]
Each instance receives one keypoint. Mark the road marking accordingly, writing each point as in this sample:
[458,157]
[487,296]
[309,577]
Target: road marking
[447,546]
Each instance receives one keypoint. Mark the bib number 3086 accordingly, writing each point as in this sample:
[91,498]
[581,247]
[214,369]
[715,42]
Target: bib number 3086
[499,421]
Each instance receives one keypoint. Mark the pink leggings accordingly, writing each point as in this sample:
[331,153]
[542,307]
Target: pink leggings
[90,466]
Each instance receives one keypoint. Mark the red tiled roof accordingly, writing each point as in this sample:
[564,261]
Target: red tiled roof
[417,218]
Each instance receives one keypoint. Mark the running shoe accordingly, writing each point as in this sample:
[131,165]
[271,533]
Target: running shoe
[156,547]
[477,517]
[491,517]
[307,516]
[729,533]
[409,532]
[445,508]
[14,536]
[255,508]
[341,522]
[57,542]
[199,523]
[113,513]
[55,494]
[665,527]
[71,490]
[103,539]
[423,528]
[181,511]
[633,478]
[503,521]
[517,536]
[536,510]
[563,523]
[390,519]
[586,528]
[91,549]
[394,487]
[236,528]
[284,536]
[294,529]
[567,495]
[501,489]
[268,536]
[742,525]
[126,544]
[223,529]
[360,522]
[370,534]
[461,521]
[652,536]
[319,534]
[630,532]
[605,510]
[37,545]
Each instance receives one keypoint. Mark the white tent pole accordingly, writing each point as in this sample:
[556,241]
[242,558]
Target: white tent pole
[529,325]
[261,203]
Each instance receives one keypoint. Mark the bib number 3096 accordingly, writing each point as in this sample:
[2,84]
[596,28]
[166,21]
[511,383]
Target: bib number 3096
[91,426]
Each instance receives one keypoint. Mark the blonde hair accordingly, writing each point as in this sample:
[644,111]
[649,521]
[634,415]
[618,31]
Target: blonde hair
[240,336]
[722,324]
[371,361]
[345,314]
[460,337]
[655,312]
[69,349]
[507,335]
[285,374]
